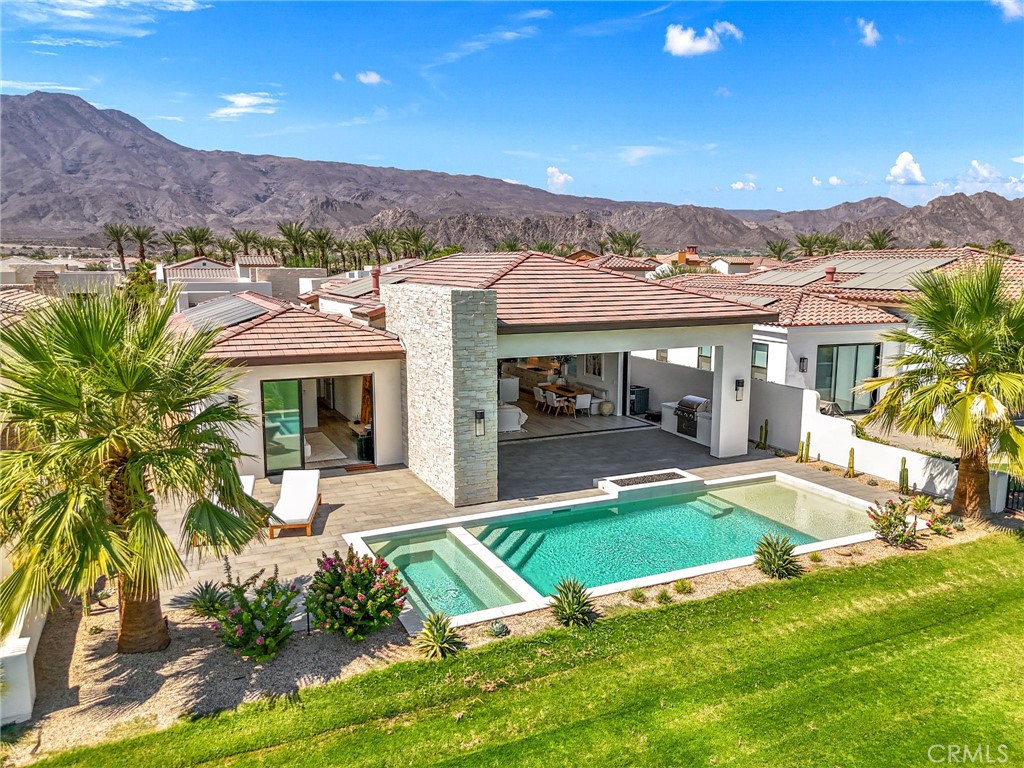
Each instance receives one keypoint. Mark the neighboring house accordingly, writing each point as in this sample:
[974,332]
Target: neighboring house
[742,265]
[833,312]
[15,302]
[201,278]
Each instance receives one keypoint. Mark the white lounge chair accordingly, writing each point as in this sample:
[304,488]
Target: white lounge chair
[300,498]
[248,483]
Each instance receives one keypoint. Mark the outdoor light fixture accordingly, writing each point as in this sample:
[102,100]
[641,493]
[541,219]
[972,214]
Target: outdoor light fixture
[803,365]
[233,399]
[739,389]
[478,416]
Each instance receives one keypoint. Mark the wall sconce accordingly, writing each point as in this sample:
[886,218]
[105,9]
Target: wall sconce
[232,399]
[739,389]
[478,417]
[803,365]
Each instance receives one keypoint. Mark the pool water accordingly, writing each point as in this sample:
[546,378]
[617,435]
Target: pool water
[442,575]
[617,542]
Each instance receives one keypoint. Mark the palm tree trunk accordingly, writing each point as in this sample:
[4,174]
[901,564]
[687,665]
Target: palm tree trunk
[120,256]
[971,498]
[141,628]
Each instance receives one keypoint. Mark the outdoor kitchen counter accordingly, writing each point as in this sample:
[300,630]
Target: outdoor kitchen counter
[668,423]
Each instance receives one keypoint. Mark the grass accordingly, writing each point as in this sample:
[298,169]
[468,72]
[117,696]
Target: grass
[860,666]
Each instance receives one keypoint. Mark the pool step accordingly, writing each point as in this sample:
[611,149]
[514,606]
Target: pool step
[495,538]
[712,506]
[525,553]
[512,543]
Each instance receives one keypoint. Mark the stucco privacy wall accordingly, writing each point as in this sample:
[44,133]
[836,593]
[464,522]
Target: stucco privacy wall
[450,336]
[285,281]
[17,659]
[387,405]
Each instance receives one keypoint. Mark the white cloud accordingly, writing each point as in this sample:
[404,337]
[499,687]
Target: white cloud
[1018,159]
[779,189]
[482,42]
[1012,9]
[369,77]
[337,77]
[684,41]
[906,171]
[982,177]
[45,53]
[260,103]
[558,181]
[869,34]
[835,181]
[636,154]
[64,42]
[606,27]
[539,13]
[21,85]
[109,19]
[169,118]
[815,181]
[746,186]
[724,92]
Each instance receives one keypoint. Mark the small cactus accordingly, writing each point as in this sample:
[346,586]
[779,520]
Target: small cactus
[800,453]
[904,477]
[760,438]
[849,466]
[765,446]
[807,448]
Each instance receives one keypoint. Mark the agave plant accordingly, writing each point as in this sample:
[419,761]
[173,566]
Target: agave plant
[207,599]
[773,556]
[438,639]
[499,628]
[572,604]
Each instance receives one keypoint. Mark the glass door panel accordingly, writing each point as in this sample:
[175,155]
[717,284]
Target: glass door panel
[282,425]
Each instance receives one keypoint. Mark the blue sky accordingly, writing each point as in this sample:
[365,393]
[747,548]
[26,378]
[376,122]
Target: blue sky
[739,105]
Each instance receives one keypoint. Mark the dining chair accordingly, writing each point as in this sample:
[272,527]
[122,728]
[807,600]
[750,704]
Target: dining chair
[538,398]
[556,402]
[582,404]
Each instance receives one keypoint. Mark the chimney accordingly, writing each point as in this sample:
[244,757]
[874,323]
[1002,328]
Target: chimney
[681,257]
[830,274]
[45,281]
[691,250]
[375,276]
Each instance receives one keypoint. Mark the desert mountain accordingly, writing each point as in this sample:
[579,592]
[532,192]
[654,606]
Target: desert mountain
[68,167]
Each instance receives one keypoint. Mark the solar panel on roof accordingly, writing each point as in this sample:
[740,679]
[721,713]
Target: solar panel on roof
[222,312]
[761,301]
[794,278]
[364,285]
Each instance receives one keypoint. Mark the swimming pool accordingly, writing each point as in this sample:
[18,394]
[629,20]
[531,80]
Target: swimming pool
[494,564]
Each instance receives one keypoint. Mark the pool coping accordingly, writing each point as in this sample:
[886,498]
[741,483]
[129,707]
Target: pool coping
[533,600]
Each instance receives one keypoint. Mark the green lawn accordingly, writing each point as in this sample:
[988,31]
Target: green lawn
[865,666]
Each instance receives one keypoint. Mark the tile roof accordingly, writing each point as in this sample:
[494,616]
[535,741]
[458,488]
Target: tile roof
[192,262]
[284,333]
[625,263]
[202,273]
[254,260]
[801,309]
[15,302]
[540,292]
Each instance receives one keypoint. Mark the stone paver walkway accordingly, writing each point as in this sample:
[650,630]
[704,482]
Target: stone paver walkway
[530,472]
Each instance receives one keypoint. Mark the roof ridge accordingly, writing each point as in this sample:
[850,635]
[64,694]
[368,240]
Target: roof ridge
[346,321]
[232,331]
[524,255]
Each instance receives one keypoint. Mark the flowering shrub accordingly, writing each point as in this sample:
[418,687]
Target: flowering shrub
[354,594]
[940,523]
[254,620]
[889,521]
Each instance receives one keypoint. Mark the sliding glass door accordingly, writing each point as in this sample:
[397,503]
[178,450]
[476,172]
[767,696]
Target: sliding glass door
[843,367]
[282,425]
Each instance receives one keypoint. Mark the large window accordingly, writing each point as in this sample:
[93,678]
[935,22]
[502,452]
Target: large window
[282,425]
[704,358]
[843,367]
[759,361]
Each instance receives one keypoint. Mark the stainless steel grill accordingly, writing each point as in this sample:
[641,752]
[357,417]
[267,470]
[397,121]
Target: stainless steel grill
[686,411]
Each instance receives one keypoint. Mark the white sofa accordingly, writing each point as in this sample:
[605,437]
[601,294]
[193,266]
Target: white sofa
[510,418]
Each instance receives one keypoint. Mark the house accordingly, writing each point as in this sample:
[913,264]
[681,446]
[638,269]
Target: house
[201,278]
[832,313]
[741,265]
[425,345]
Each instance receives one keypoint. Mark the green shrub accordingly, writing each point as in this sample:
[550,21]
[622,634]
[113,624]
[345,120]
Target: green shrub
[872,482]
[498,628]
[940,523]
[254,622]
[438,639]
[663,597]
[207,599]
[889,521]
[572,604]
[354,594]
[958,525]
[774,556]
[815,557]
[637,595]
[683,587]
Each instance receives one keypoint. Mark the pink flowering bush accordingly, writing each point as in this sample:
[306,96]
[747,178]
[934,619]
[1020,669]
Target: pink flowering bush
[890,522]
[254,620]
[354,594]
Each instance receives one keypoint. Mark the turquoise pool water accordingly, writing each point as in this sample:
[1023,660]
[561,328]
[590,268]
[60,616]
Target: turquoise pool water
[613,543]
[442,575]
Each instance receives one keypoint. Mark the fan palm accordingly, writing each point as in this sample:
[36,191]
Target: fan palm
[881,239]
[197,238]
[779,249]
[247,238]
[142,236]
[807,246]
[961,376]
[323,242]
[110,409]
[117,235]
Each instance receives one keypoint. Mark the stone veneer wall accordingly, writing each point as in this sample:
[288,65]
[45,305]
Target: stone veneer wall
[451,342]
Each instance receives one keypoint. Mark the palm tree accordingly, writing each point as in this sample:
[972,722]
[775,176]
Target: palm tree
[429,249]
[142,236]
[390,243]
[936,244]
[602,246]
[544,246]
[881,239]
[376,238]
[829,244]
[509,244]
[117,235]
[410,240]
[228,247]
[111,410]
[322,241]
[197,238]
[294,234]
[563,250]
[779,249]
[626,243]
[174,240]
[961,376]
[852,245]
[1001,247]
[247,238]
[807,246]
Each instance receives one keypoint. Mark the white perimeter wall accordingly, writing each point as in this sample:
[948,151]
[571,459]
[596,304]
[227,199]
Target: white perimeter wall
[387,405]
[17,658]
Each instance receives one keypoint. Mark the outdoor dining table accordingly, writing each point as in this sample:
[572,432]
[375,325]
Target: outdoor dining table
[565,391]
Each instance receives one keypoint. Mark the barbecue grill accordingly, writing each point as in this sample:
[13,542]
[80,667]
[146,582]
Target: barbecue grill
[686,411]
